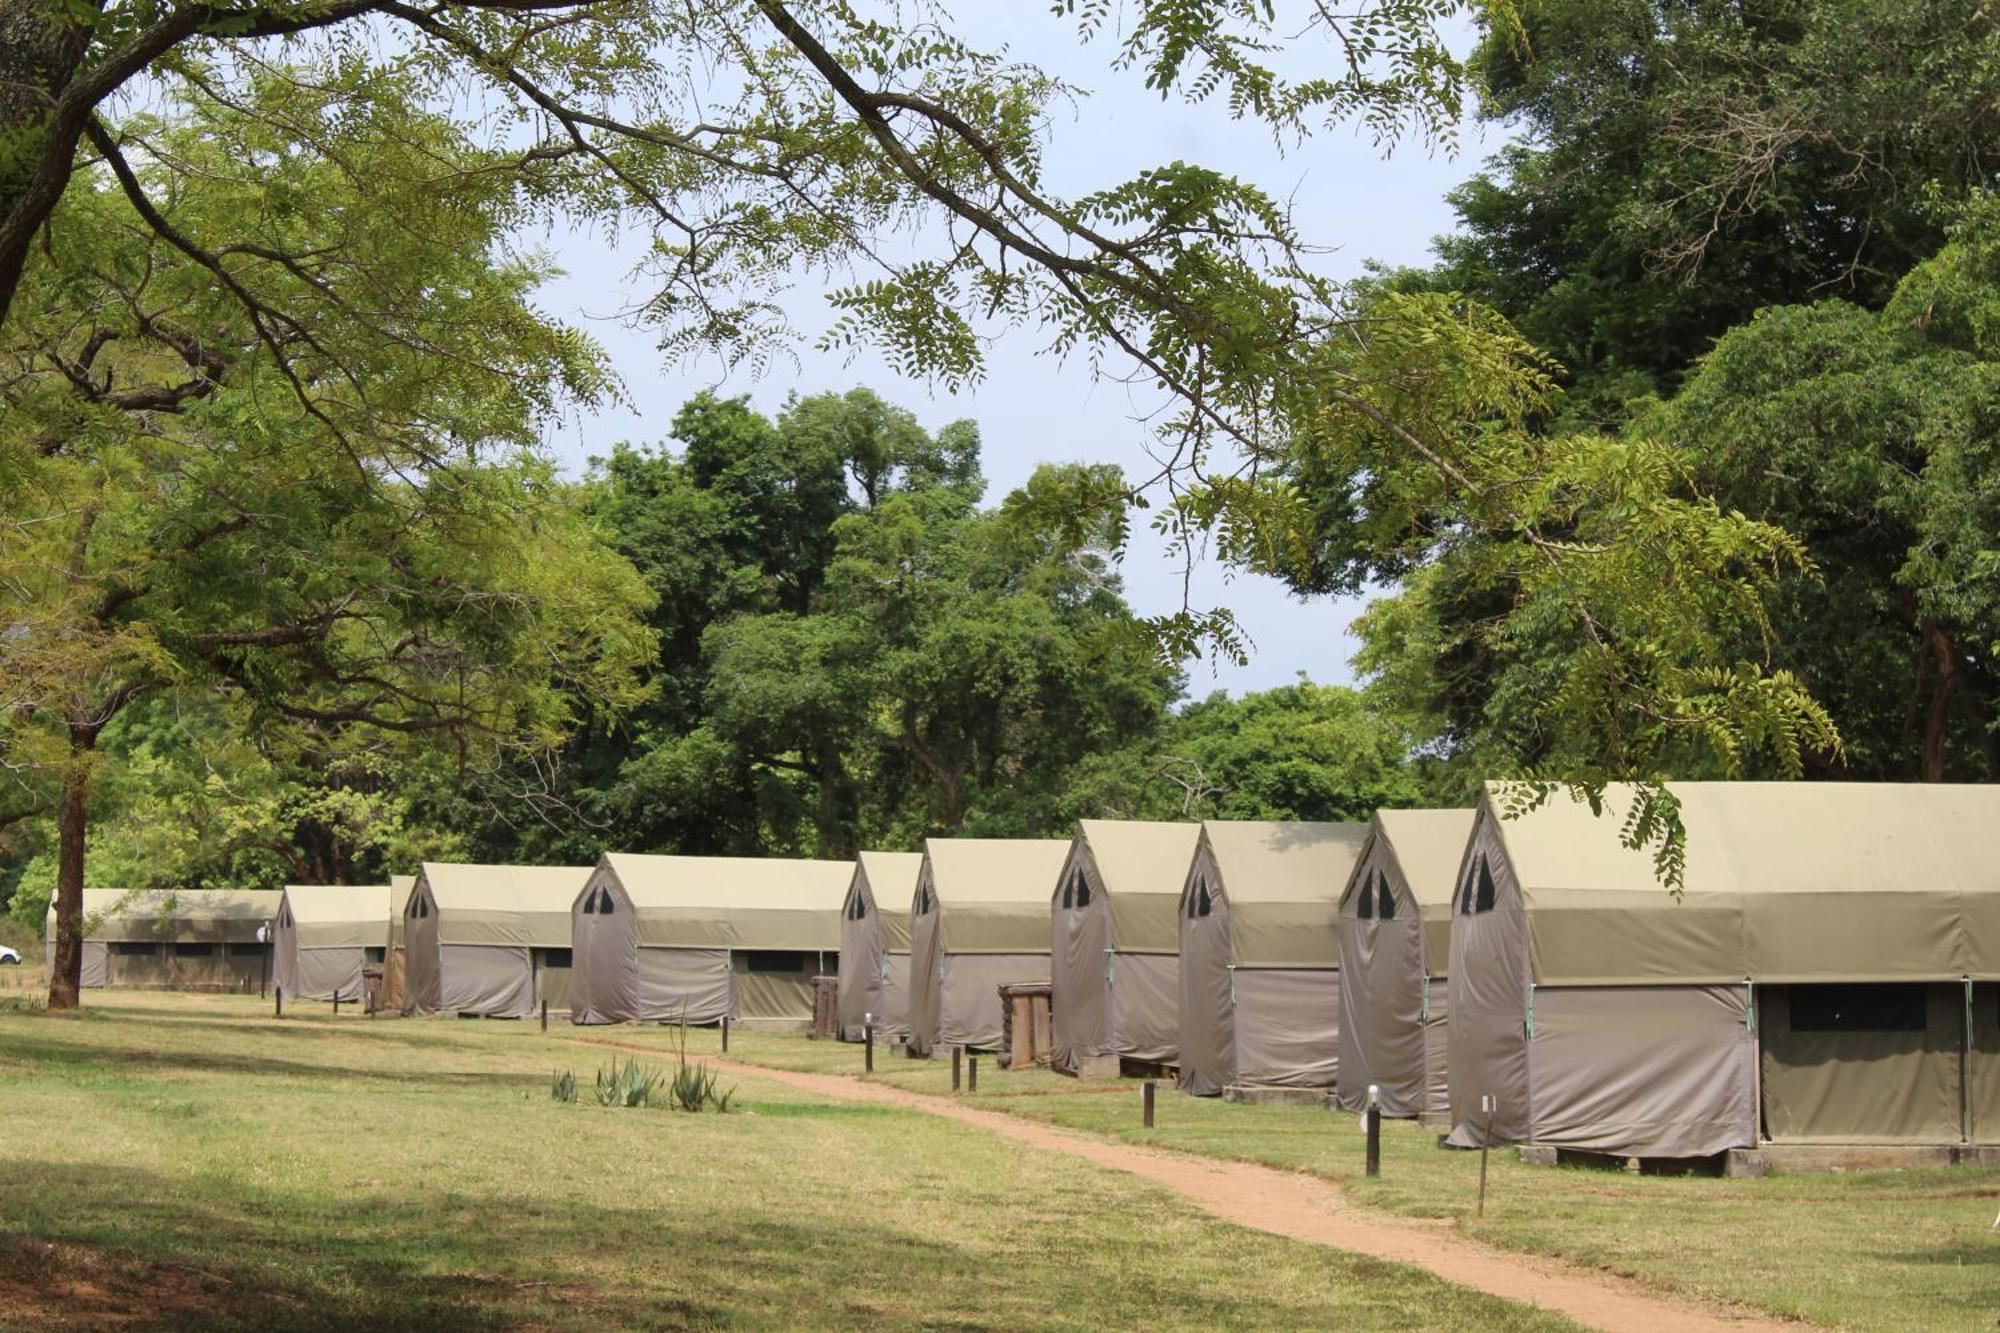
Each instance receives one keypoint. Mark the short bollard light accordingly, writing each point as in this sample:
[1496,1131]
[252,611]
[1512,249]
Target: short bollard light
[868,1042]
[1489,1106]
[1371,1120]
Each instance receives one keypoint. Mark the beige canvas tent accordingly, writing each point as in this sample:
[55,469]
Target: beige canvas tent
[1828,975]
[979,918]
[1259,955]
[488,940]
[695,939]
[325,934]
[1395,943]
[1115,924]
[875,945]
[173,939]
[394,964]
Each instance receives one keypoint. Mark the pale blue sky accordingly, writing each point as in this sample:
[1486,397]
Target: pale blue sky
[1032,408]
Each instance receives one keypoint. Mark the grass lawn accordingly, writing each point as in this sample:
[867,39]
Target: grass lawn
[185,1161]
[1879,1250]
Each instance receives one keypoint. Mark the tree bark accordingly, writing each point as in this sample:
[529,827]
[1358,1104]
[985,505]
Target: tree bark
[1937,724]
[72,822]
[41,44]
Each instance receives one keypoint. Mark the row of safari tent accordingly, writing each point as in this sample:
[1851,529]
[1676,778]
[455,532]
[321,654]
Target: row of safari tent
[1827,969]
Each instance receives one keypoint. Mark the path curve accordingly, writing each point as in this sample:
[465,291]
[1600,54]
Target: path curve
[1308,1208]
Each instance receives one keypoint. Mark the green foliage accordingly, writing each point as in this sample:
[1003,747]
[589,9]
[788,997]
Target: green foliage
[696,1088]
[562,1086]
[1304,751]
[1683,165]
[630,1084]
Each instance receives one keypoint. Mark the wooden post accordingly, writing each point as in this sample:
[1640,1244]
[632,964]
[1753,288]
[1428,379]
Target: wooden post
[972,1073]
[336,1000]
[868,1043]
[545,1015]
[279,993]
[1146,1093]
[1489,1104]
[957,1072]
[1372,1118]
[725,1034]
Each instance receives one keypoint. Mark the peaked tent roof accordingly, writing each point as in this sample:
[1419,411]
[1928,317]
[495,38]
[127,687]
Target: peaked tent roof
[175,915]
[339,916]
[1144,866]
[993,893]
[732,902]
[1429,847]
[1284,881]
[1784,882]
[892,879]
[505,906]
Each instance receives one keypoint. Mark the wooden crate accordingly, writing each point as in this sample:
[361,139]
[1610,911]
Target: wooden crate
[826,1008]
[1024,1009]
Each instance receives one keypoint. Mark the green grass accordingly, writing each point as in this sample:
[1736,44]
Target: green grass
[1878,1250]
[186,1161]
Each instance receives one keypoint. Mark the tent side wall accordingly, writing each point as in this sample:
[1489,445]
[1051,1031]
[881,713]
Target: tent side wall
[1488,987]
[422,982]
[1287,1031]
[1080,1012]
[1207,999]
[1884,1071]
[1385,1023]
[603,954]
[969,1012]
[1643,1071]
[773,995]
[926,950]
[860,988]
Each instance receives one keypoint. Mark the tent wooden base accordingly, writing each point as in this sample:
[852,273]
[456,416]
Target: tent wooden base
[1784,1158]
[1256,1096]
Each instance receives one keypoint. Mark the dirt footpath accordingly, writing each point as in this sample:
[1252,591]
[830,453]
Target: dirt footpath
[1310,1209]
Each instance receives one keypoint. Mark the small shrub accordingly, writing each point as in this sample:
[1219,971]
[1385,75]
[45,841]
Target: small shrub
[633,1084]
[695,1087]
[562,1087]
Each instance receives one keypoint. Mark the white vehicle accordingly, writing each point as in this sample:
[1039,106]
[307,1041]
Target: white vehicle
[9,956]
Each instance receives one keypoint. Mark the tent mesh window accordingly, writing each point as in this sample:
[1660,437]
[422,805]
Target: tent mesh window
[857,909]
[1365,907]
[1486,889]
[372,955]
[247,950]
[135,949]
[1858,1008]
[777,960]
[193,949]
[1465,892]
[1385,898]
[550,957]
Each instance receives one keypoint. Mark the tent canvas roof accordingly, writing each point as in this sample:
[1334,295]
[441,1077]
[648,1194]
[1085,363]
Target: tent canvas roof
[1143,865]
[1784,882]
[176,915]
[333,916]
[728,902]
[504,906]
[892,882]
[993,893]
[399,898]
[1430,847]
[1283,881]
[1141,855]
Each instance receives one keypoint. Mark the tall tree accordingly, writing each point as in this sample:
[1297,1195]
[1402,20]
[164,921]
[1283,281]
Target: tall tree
[307,483]
[1682,163]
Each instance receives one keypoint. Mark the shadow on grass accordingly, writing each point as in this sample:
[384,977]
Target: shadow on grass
[56,1054]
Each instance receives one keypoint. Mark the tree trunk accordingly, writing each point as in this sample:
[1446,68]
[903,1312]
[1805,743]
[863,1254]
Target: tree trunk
[41,44]
[1937,724]
[72,822]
